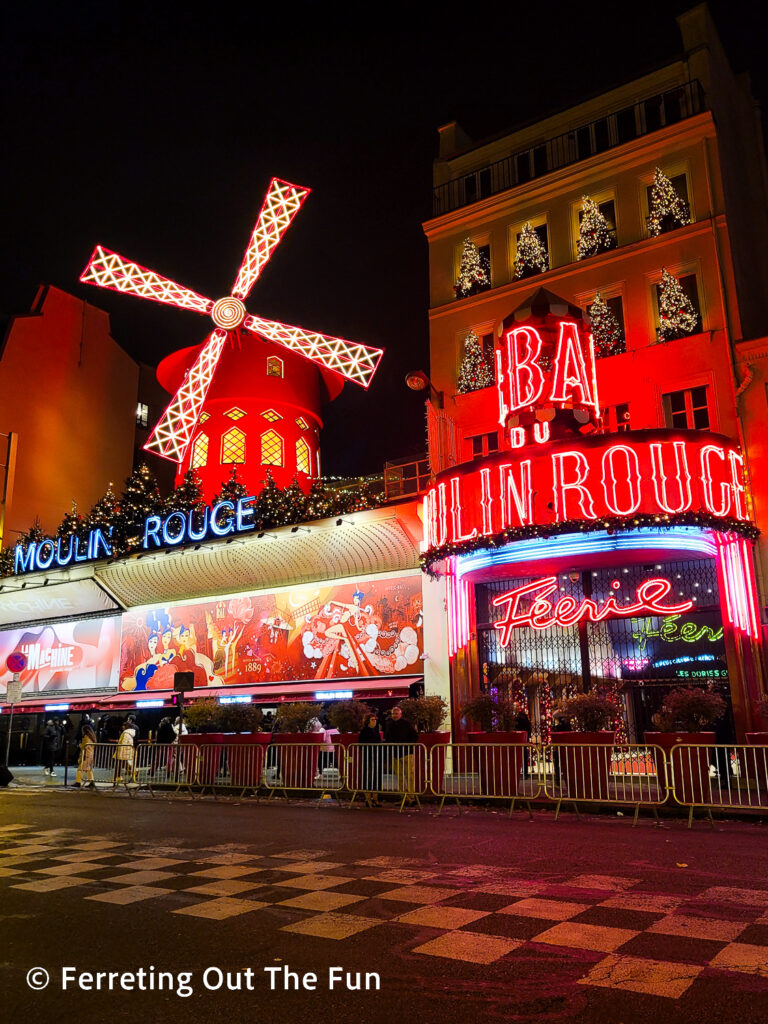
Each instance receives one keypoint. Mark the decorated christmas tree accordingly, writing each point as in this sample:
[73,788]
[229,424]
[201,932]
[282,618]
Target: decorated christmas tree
[140,499]
[269,507]
[606,329]
[233,489]
[594,233]
[532,257]
[188,495]
[8,555]
[474,373]
[73,524]
[677,317]
[473,276]
[104,513]
[320,501]
[667,210]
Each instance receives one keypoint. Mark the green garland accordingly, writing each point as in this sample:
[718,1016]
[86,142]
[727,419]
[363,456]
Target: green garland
[611,524]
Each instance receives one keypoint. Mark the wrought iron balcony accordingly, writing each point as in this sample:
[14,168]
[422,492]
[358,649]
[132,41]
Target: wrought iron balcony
[616,129]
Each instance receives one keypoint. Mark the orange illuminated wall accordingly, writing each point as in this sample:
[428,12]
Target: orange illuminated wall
[69,392]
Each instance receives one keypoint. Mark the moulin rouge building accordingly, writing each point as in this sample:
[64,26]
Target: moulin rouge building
[593,518]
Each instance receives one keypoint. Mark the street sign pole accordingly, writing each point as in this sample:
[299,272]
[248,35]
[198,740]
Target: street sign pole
[12,695]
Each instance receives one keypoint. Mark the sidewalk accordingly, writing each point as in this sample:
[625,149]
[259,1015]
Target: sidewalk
[31,776]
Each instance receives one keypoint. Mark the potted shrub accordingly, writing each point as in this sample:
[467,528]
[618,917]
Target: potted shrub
[349,717]
[428,714]
[293,725]
[584,766]
[499,769]
[241,724]
[203,719]
[681,722]
[760,738]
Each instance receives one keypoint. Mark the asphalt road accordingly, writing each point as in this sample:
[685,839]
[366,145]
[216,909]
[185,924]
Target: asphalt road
[473,918]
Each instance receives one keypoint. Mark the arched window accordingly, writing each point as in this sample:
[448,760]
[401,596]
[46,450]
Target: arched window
[302,456]
[233,446]
[271,449]
[199,452]
[274,367]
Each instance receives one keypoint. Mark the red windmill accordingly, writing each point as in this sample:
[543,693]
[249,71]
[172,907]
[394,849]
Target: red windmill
[261,410]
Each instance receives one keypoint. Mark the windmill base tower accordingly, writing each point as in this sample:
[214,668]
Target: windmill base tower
[261,415]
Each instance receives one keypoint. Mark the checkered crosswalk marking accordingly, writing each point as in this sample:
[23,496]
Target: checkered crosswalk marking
[615,929]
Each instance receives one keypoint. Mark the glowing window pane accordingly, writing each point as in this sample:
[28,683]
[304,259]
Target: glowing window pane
[271,415]
[302,456]
[204,417]
[199,452]
[274,366]
[301,423]
[271,449]
[235,414]
[233,446]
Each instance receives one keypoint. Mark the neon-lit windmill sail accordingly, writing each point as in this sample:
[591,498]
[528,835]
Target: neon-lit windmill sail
[172,435]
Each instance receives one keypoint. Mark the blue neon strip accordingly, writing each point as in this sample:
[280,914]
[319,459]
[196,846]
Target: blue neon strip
[682,538]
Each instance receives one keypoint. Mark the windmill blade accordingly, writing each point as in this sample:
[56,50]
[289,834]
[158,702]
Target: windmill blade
[173,431]
[356,362]
[281,204]
[109,270]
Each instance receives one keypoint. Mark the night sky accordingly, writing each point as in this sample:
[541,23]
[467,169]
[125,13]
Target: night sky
[155,131]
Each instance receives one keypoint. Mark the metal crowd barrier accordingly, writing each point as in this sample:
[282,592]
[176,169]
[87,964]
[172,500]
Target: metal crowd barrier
[398,769]
[488,771]
[718,777]
[623,774]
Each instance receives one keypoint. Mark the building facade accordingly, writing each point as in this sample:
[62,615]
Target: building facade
[514,207]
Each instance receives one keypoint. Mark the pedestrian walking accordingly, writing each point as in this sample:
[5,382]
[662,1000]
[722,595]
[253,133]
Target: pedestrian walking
[84,774]
[124,755]
[370,740]
[51,747]
[403,734]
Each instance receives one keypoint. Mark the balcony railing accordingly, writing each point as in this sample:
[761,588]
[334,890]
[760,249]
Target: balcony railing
[613,130]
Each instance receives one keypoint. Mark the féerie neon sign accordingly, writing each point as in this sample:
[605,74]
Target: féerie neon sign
[543,613]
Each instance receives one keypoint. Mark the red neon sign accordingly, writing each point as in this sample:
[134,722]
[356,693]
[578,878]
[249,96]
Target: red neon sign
[542,613]
[525,379]
[655,473]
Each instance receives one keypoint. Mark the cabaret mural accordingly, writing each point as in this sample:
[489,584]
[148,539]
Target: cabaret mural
[336,631]
[65,656]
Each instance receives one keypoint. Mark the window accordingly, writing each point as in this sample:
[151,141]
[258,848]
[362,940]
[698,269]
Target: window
[271,416]
[233,446]
[486,347]
[271,449]
[199,452]
[614,419]
[302,456]
[626,125]
[484,251]
[687,410]
[608,210]
[274,367]
[235,413]
[301,423]
[483,444]
[691,291]
[680,185]
[204,417]
[142,415]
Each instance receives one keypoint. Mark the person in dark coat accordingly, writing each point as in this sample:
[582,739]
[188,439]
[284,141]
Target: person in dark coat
[400,732]
[523,724]
[560,723]
[165,733]
[51,746]
[370,737]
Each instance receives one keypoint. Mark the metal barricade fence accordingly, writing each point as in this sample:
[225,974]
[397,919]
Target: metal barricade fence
[97,764]
[488,771]
[162,765]
[399,769]
[719,777]
[301,767]
[624,774]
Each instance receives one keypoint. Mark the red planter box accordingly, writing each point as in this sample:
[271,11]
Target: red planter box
[690,768]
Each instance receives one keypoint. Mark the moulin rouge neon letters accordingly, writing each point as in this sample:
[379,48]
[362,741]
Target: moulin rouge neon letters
[542,613]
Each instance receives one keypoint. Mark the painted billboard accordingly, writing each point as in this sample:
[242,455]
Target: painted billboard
[64,657]
[323,632]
